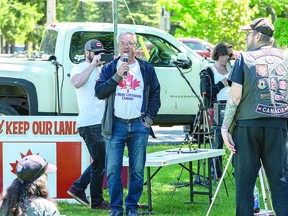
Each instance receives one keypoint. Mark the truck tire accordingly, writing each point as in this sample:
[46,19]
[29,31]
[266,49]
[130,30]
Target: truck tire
[6,109]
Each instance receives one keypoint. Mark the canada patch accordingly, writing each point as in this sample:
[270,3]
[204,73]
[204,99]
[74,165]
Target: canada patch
[272,110]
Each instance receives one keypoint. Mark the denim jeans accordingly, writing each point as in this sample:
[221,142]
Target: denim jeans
[96,147]
[219,145]
[82,182]
[134,134]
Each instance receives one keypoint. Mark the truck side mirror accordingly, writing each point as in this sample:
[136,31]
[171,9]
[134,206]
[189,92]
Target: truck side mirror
[183,61]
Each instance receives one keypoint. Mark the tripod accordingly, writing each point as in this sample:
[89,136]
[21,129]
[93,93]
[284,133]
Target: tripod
[201,128]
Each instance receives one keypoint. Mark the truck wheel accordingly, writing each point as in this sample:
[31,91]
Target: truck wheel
[6,109]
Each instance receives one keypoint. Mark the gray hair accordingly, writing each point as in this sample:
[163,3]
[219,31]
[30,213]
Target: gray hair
[127,33]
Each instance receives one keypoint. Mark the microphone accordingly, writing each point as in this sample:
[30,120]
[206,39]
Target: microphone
[53,59]
[56,63]
[125,59]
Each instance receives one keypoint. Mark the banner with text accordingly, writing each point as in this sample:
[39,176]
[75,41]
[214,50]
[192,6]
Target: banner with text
[54,138]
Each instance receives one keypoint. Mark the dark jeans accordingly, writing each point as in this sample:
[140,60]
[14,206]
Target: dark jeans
[219,145]
[269,145]
[82,182]
[96,147]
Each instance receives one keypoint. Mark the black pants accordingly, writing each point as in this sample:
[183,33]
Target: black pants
[270,145]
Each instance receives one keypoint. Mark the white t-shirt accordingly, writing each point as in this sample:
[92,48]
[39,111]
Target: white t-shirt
[223,93]
[91,109]
[129,93]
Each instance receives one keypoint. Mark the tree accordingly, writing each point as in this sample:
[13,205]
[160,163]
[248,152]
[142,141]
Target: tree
[281,32]
[277,11]
[18,21]
[143,12]
[219,20]
[213,20]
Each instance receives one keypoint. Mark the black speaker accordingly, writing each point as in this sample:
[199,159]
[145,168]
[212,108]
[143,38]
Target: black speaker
[219,111]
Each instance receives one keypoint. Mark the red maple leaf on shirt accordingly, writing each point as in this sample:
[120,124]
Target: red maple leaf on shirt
[129,83]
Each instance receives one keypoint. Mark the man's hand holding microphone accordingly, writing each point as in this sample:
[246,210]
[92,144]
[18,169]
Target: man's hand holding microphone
[124,68]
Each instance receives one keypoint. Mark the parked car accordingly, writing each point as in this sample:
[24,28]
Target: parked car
[202,47]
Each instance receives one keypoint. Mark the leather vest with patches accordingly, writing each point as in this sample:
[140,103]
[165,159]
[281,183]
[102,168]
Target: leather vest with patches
[265,84]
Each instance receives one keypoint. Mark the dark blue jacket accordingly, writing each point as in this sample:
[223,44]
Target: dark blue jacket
[106,86]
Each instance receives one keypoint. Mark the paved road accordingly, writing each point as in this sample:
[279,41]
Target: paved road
[167,135]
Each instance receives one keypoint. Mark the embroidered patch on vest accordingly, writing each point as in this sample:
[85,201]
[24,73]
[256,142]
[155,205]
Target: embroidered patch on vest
[280,70]
[279,98]
[269,59]
[273,83]
[265,96]
[282,84]
[262,70]
[271,110]
[262,83]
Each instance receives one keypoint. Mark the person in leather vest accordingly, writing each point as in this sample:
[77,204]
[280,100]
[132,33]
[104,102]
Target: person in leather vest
[257,111]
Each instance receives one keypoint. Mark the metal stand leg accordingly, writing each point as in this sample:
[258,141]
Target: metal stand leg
[219,185]
[264,188]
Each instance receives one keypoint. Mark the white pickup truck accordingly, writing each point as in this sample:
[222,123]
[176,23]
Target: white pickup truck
[31,85]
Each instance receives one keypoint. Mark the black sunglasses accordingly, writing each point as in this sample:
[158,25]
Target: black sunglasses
[230,55]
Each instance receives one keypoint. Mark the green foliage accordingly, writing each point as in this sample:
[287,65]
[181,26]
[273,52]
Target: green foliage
[20,19]
[213,20]
[217,21]
[143,12]
[281,32]
[272,8]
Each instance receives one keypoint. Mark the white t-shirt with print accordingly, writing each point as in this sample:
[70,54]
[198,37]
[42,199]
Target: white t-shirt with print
[91,109]
[129,93]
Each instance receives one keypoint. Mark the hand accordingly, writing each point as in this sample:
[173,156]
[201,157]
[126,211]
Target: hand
[123,68]
[227,138]
[96,60]
[225,82]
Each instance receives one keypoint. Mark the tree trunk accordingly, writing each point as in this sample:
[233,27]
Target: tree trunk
[271,11]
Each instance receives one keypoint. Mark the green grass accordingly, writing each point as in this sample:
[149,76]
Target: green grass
[170,200]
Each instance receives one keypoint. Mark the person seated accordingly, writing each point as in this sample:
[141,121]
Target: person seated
[28,193]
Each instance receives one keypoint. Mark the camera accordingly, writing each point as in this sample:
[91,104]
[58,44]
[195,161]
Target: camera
[107,57]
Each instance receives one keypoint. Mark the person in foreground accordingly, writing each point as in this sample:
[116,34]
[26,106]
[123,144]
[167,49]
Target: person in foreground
[83,78]
[258,105]
[132,94]
[217,91]
[28,193]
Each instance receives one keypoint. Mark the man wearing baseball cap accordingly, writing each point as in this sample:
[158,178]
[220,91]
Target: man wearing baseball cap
[91,109]
[28,194]
[257,110]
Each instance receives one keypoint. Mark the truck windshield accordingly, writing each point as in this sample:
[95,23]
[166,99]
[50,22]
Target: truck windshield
[48,43]
[150,48]
[80,38]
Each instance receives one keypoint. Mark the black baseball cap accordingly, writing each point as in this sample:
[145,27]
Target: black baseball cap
[261,25]
[94,46]
[32,167]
